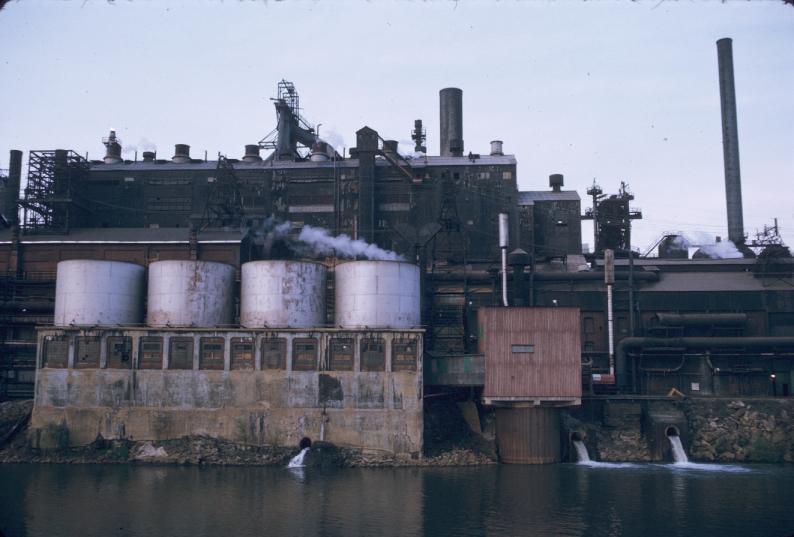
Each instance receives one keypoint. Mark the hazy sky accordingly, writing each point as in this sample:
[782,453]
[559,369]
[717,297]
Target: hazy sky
[609,91]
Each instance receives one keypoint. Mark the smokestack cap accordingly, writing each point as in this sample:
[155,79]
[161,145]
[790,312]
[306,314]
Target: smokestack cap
[181,153]
[252,153]
[148,156]
[556,181]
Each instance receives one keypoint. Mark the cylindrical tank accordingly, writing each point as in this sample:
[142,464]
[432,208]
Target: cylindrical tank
[528,435]
[496,147]
[98,293]
[282,294]
[190,293]
[377,294]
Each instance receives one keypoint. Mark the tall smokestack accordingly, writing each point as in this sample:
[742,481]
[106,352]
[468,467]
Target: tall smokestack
[730,141]
[10,210]
[451,122]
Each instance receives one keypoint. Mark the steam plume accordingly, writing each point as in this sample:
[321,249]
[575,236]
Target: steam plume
[322,243]
[708,246]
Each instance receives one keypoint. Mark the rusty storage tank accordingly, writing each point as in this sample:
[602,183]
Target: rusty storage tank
[528,435]
[377,294]
[98,293]
[282,294]
[190,293]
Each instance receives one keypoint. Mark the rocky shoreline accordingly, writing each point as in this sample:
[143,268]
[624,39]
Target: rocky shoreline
[465,449]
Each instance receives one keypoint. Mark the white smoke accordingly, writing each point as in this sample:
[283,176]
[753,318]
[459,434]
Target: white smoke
[322,243]
[142,145]
[708,245]
[333,138]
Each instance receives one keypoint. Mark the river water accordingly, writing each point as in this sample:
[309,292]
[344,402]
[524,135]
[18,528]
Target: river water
[562,499]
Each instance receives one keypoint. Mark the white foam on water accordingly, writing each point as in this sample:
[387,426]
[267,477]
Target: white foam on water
[297,460]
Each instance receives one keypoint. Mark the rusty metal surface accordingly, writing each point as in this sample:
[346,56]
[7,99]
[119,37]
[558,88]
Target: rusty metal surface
[86,352]
[552,371]
[119,352]
[282,294]
[528,435]
[377,294]
[151,353]
[190,293]
[211,353]
[97,293]
[242,353]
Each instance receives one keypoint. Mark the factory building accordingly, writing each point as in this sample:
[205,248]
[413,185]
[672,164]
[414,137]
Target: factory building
[238,321]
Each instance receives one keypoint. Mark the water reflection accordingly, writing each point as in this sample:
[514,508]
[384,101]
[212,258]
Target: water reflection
[563,499]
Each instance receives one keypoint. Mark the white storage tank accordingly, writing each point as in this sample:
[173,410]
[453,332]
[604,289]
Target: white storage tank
[377,294]
[190,293]
[98,293]
[282,294]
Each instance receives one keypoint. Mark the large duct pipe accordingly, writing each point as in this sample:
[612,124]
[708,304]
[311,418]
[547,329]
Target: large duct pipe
[730,141]
[181,154]
[10,211]
[504,240]
[691,343]
[451,122]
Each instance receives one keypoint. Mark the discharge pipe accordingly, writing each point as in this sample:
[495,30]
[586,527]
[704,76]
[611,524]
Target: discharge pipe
[503,242]
[609,280]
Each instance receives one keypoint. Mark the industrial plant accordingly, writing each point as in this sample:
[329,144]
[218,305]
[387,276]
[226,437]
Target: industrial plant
[293,291]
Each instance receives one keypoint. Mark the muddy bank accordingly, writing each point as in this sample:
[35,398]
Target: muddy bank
[454,447]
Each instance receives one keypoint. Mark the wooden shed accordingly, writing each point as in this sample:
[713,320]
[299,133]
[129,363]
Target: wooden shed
[532,355]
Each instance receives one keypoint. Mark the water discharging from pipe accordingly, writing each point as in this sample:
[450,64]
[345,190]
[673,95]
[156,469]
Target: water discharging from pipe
[679,455]
[297,460]
[581,451]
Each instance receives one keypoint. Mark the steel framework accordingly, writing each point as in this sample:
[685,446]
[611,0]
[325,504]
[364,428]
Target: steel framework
[52,196]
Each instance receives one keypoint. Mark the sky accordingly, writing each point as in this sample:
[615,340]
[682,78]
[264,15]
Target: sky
[604,91]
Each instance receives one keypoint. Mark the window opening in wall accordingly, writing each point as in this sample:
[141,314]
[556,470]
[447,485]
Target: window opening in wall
[151,355]
[56,353]
[119,352]
[589,325]
[589,346]
[242,355]
[373,357]
[86,352]
[403,355]
[211,353]
[304,354]
[523,348]
[180,353]
[274,353]
[341,354]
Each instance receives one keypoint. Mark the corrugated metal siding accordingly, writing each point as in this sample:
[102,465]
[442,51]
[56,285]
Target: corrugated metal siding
[528,435]
[552,371]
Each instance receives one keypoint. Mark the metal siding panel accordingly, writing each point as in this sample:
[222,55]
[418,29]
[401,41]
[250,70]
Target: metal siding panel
[552,371]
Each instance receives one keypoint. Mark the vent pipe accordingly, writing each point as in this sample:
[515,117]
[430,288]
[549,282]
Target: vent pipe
[149,156]
[503,243]
[451,122]
[496,148]
[181,154]
[113,152]
[252,153]
[730,141]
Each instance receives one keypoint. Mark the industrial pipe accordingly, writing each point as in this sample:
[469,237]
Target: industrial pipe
[691,343]
[503,242]
[10,209]
[484,276]
[701,319]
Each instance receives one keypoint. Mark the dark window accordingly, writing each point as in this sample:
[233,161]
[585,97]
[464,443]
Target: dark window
[304,354]
[623,325]
[589,325]
[523,348]
[119,352]
[180,353]
[211,353]
[86,352]
[56,353]
[274,353]
[151,355]
[242,355]
[403,355]
[589,346]
[341,354]
[373,357]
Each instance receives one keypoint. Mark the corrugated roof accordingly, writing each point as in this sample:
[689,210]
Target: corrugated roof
[116,235]
[531,196]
